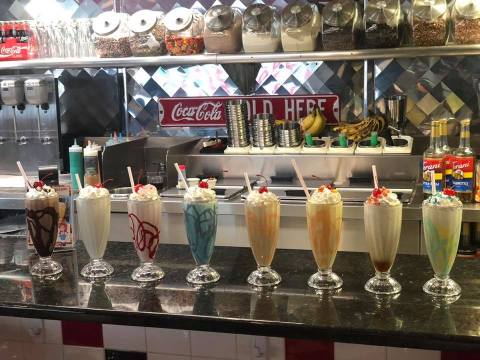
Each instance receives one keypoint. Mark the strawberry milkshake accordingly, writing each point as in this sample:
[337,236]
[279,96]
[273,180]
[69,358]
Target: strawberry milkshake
[383,222]
[93,210]
[145,215]
[41,207]
[262,216]
[324,221]
[442,221]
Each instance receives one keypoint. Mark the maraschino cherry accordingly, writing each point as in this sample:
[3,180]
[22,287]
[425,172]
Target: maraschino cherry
[263,189]
[38,184]
[137,187]
[203,185]
[449,192]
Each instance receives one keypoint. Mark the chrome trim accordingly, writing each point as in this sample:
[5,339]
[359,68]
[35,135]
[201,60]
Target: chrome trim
[363,54]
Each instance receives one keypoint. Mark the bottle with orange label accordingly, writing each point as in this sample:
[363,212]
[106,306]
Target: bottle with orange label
[448,153]
[464,166]
[433,160]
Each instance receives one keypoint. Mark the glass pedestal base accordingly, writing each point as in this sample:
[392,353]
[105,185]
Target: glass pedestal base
[442,287]
[203,274]
[383,283]
[46,267]
[325,280]
[96,269]
[264,276]
[147,272]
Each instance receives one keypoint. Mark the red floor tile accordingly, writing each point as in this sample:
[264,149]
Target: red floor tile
[82,333]
[308,350]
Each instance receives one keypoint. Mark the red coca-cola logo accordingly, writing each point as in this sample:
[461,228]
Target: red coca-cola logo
[207,111]
[11,51]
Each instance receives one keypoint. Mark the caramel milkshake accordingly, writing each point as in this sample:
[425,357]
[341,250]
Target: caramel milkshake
[324,221]
[145,215]
[383,222]
[262,217]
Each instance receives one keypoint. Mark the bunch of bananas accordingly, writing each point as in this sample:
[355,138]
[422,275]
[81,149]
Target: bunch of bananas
[314,123]
[359,131]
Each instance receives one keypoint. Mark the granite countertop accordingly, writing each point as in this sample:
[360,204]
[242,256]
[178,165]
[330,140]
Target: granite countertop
[292,310]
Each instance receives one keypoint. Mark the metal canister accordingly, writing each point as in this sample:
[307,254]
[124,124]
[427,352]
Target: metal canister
[263,130]
[289,134]
[237,123]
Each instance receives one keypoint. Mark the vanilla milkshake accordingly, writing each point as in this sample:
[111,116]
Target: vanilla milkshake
[93,210]
[262,216]
[145,214]
[41,207]
[442,221]
[200,210]
[324,221]
[383,222]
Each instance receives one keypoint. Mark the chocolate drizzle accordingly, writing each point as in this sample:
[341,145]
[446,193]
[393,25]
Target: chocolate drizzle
[43,229]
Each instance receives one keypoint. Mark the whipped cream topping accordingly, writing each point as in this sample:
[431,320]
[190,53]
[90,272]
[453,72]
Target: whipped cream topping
[195,193]
[443,200]
[383,197]
[41,192]
[256,198]
[325,195]
[144,193]
[92,192]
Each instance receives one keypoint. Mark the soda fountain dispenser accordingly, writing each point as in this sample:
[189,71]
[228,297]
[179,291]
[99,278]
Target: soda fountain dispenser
[12,95]
[37,92]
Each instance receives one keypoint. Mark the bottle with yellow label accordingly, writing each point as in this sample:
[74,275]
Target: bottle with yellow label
[464,166]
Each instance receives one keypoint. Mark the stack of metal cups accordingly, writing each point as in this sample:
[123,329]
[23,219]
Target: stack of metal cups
[237,123]
[289,134]
[263,131]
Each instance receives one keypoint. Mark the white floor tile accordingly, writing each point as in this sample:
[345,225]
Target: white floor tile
[32,330]
[244,347]
[11,328]
[345,351]
[33,351]
[129,338]
[152,356]
[168,341]
[213,345]
[276,348]
[53,331]
[412,354]
[83,353]
[11,350]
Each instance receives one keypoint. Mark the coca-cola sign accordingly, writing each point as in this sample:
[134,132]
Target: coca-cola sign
[14,51]
[210,111]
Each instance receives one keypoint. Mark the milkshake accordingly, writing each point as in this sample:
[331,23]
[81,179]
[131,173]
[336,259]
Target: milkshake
[324,221]
[93,210]
[41,207]
[383,222]
[200,210]
[145,214]
[262,216]
[442,221]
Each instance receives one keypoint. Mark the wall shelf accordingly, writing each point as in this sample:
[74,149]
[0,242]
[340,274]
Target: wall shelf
[369,54]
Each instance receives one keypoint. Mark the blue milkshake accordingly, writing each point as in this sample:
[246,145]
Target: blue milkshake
[200,210]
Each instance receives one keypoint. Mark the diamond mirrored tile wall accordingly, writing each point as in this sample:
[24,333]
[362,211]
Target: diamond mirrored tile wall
[147,85]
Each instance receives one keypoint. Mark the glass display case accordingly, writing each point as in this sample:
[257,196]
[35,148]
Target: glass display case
[184,32]
[429,22]
[111,35]
[261,29]
[341,25]
[223,30]
[466,21]
[382,24]
[147,33]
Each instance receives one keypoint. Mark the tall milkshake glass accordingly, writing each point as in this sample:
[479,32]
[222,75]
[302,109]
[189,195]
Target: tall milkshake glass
[41,207]
[383,222]
[145,215]
[324,221]
[93,210]
[200,210]
[262,216]
[442,221]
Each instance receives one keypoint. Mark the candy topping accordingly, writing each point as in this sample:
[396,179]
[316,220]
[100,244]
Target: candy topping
[383,196]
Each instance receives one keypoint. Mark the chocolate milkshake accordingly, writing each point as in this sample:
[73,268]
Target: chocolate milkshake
[41,206]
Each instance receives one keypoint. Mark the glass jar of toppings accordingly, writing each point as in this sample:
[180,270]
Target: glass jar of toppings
[341,24]
[147,33]
[261,29]
[466,21]
[223,30]
[429,20]
[382,23]
[300,26]
[184,32]
[111,35]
